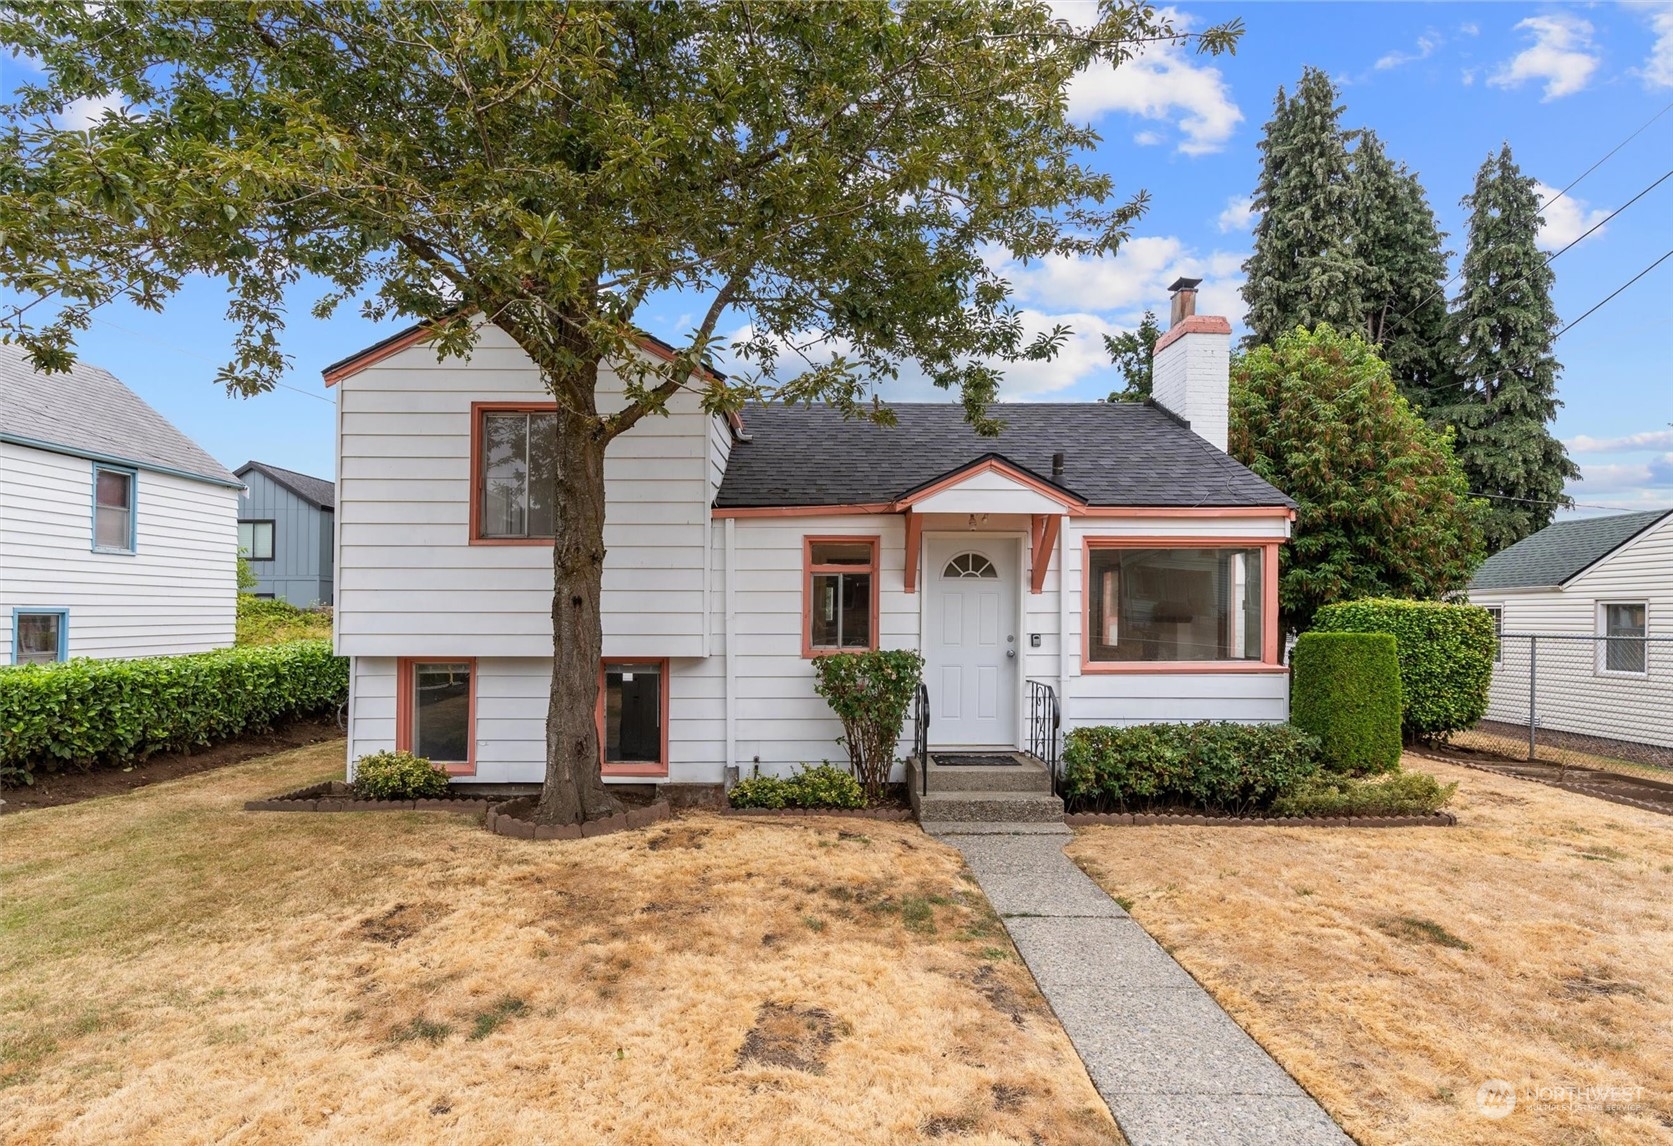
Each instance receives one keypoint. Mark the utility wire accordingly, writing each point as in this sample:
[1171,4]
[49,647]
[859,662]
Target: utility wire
[1570,326]
[1544,501]
[103,321]
[1441,290]
[1611,215]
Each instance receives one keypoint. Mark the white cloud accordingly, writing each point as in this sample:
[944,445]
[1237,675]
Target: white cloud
[1561,55]
[81,114]
[1148,138]
[1164,82]
[1647,440]
[1135,279]
[1468,30]
[1565,220]
[1640,479]
[1658,65]
[1239,214]
[1426,45]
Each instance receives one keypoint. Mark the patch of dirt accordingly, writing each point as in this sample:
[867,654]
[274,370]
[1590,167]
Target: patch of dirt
[789,1036]
[943,1125]
[57,788]
[678,837]
[1008,1097]
[402,921]
[1001,996]
[1598,981]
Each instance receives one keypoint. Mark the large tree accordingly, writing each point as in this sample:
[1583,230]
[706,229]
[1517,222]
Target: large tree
[1505,372]
[1304,269]
[798,167]
[1133,353]
[1384,506]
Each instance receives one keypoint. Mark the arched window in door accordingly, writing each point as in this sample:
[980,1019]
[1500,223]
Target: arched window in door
[970,565]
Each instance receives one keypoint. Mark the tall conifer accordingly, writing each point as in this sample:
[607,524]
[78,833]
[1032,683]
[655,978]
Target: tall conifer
[1506,372]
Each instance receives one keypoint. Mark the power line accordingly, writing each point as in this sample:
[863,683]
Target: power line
[1544,501]
[99,318]
[1612,214]
[1570,326]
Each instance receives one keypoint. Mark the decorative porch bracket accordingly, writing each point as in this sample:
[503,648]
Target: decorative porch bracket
[1043,531]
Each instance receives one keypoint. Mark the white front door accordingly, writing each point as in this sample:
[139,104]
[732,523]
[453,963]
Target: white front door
[971,643]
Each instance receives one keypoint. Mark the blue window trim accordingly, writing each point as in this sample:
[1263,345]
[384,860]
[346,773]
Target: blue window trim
[63,631]
[133,508]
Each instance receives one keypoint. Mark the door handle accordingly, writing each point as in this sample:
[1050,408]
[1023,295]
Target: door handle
[1010,652]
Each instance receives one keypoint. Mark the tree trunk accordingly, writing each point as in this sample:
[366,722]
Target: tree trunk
[574,790]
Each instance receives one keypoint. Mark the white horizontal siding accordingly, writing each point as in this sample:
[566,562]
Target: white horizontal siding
[409,581]
[177,593]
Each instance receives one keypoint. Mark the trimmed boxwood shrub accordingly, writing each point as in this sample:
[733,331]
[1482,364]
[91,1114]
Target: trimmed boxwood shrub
[88,713]
[1402,794]
[1220,767]
[1446,657]
[398,776]
[1345,690]
[826,786]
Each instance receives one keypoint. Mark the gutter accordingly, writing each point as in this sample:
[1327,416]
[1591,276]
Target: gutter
[113,459]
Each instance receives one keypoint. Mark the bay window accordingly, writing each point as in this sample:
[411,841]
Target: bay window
[1197,604]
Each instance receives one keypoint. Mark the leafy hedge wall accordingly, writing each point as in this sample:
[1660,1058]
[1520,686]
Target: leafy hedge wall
[1345,689]
[88,713]
[1221,767]
[1446,657]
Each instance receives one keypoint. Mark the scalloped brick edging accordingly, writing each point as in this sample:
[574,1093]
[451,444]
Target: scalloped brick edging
[890,815]
[1163,819]
[336,796]
[503,821]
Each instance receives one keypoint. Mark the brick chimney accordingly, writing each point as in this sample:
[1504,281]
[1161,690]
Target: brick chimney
[1190,372]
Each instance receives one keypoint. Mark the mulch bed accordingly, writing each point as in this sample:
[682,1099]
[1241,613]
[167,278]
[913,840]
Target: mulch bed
[1168,819]
[514,818]
[894,815]
[1616,787]
[336,796]
[54,788]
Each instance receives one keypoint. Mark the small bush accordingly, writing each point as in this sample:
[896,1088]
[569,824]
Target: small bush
[265,621]
[87,713]
[823,787]
[1222,767]
[870,693]
[398,776]
[1345,690]
[1402,794]
[1446,657]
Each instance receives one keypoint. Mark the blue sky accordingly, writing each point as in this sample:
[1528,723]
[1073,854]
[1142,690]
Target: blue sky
[1443,84]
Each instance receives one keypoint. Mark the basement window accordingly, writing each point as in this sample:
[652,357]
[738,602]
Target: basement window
[436,714]
[633,712]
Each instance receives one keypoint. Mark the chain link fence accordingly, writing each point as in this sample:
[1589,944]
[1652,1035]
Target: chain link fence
[1593,702]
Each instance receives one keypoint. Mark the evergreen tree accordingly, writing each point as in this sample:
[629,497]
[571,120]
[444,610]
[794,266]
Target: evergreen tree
[1304,269]
[1132,354]
[1405,270]
[1506,374]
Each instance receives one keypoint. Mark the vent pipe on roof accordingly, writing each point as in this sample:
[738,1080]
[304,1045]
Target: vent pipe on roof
[1057,466]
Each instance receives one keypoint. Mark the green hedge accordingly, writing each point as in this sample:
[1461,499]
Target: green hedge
[823,787]
[1345,690]
[1402,794]
[398,776]
[88,713]
[1221,767]
[1446,657]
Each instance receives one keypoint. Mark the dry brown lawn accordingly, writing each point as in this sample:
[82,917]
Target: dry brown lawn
[173,969]
[1392,971]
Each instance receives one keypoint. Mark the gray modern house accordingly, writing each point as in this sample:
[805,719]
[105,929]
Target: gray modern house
[284,530]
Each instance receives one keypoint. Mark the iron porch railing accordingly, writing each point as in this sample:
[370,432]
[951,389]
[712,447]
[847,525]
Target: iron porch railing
[920,733]
[1045,718]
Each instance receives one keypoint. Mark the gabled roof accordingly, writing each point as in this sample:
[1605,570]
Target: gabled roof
[87,412]
[1114,454]
[317,492]
[1561,551]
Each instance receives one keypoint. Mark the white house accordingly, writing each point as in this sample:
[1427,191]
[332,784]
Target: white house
[1590,603]
[118,534]
[1104,551]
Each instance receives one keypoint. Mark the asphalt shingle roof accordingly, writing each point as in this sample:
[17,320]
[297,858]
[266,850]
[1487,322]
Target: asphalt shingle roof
[1561,550]
[89,411]
[1116,453]
[317,492]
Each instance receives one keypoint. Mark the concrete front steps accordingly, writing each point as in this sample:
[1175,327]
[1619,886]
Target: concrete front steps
[960,796]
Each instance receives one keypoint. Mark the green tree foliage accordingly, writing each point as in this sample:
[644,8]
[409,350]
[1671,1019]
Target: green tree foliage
[1401,247]
[1506,373]
[1133,353]
[1345,690]
[1384,507]
[1304,269]
[1446,657]
[843,169]
[870,693]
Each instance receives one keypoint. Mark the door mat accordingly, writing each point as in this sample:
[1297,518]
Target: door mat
[974,760]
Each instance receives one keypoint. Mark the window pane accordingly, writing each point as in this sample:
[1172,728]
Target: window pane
[824,613]
[633,713]
[110,528]
[543,472]
[255,540]
[1627,622]
[38,637]
[113,488]
[841,553]
[245,542]
[1176,605]
[505,479]
[856,610]
[441,722]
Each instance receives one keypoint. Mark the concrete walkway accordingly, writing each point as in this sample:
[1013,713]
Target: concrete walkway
[1173,1067]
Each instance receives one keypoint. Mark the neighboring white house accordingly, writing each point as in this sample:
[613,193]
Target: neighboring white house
[118,534]
[1104,551]
[1597,594]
